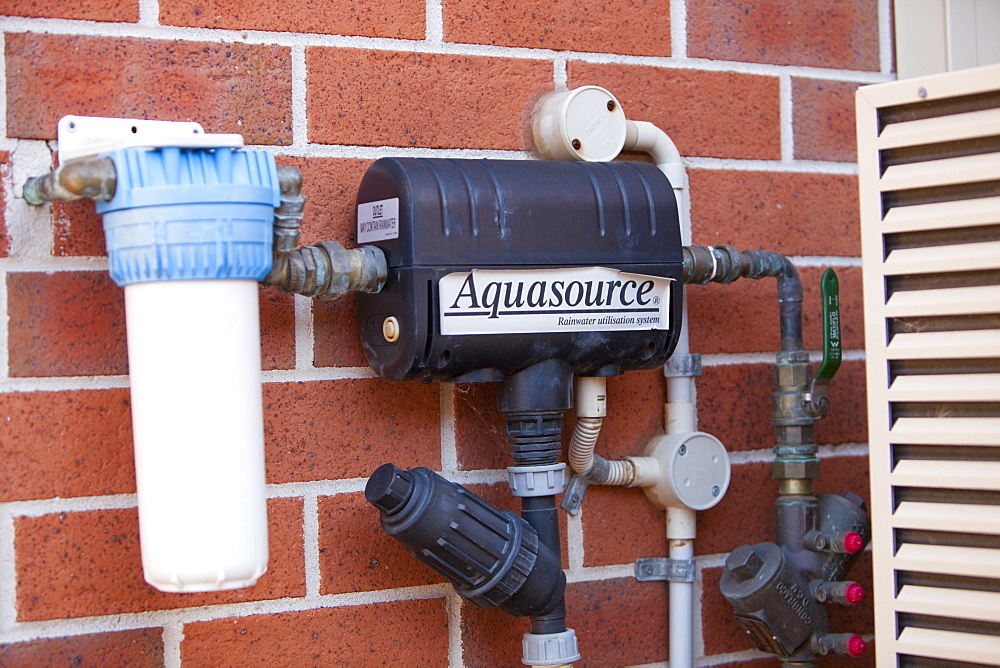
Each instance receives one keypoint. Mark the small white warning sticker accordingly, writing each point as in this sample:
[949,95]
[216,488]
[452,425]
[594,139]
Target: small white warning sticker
[378,221]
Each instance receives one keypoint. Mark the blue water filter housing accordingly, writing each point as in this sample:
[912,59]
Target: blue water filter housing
[189,234]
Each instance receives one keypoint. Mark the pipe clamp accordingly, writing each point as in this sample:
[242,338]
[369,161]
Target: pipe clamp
[659,568]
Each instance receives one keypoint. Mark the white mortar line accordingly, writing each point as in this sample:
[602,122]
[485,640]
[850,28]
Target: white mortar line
[8,572]
[4,325]
[560,74]
[315,488]
[310,539]
[62,384]
[824,452]
[288,39]
[434,18]
[29,227]
[720,659]
[574,541]
[697,627]
[77,504]
[305,339]
[795,166]
[711,560]
[375,152]
[678,28]
[300,117]
[173,634]
[51,264]
[787,118]
[834,261]
[449,446]
[886,41]
[456,652]
[596,573]
[149,12]
[54,628]
[318,373]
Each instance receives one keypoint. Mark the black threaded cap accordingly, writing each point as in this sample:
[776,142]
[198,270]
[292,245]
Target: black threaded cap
[388,488]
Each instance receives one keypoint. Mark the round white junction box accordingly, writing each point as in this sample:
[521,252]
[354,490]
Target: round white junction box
[694,470]
[585,123]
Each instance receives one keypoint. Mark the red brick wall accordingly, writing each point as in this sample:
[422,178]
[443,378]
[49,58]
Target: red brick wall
[758,95]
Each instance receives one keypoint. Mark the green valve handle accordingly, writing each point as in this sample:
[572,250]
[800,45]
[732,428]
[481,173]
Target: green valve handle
[832,352]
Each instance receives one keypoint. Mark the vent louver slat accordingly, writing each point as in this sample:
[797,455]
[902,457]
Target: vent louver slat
[929,178]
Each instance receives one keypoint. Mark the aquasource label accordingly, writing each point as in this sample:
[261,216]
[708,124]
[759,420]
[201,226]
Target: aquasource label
[487,301]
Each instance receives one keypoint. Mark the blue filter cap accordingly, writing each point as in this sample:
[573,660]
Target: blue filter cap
[182,214]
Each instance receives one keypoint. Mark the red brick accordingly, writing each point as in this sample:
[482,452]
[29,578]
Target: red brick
[277,329]
[722,633]
[744,516]
[491,637]
[743,316]
[404,633]
[824,120]
[631,27]
[402,19]
[620,526]
[791,213]
[78,230]
[619,622]
[103,10]
[786,32]
[707,114]
[480,440]
[141,648]
[336,333]
[734,404]
[65,444]
[348,428]
[330,186]
[232,87]
[87,563]
[69,323]
[4,175]
[356,555]
[380,98]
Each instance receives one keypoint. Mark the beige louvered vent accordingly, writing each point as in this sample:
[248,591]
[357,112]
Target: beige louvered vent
[929,173]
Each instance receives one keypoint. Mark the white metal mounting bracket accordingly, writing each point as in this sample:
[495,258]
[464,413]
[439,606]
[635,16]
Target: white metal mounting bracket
[659,568]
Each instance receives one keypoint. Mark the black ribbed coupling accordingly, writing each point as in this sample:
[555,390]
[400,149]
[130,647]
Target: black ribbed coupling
[492,556]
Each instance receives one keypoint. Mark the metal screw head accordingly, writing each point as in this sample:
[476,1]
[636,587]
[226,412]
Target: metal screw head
[682,450]
[744,563]
[922,92]
[576,144]
[611,105]
[715,490]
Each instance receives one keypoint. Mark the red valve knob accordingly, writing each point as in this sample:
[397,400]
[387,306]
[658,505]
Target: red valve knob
[853,595]
[856,646]
[853,542]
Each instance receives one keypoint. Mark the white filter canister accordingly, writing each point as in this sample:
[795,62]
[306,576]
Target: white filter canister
[197,421]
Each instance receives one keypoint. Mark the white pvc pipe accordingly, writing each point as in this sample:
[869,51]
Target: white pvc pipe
[194,367]
[679,411]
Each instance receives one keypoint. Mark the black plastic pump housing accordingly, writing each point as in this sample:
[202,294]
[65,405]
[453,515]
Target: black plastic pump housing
[492,556]
[532,219]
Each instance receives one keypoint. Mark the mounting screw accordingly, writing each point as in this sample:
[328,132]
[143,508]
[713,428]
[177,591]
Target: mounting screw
[715,491]
[922,92]
[682,450]
[576,144]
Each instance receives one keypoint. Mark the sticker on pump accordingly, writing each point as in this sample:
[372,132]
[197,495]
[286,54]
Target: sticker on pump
[585,299]
[378,221]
